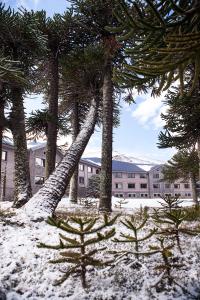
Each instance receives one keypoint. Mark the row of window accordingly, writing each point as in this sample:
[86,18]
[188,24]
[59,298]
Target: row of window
[168,186]
[89,169]
[119,185]
[144,195]
[129,175]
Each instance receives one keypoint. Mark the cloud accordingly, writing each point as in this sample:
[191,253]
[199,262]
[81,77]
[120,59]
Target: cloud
[147,112]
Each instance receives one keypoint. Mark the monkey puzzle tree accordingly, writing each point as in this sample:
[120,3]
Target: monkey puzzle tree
[96,16]
[45,201]
[168,42]
[60,37]
[184,164]
[23,43]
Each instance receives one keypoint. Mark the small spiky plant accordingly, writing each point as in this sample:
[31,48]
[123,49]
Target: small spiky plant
[170,225]
[135,227]
[80,227]
[120,203]
[170,202]
[167,266]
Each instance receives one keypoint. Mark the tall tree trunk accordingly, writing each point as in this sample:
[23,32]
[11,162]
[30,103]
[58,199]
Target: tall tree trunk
[73,191]
[22,173]
[105,203]
[194,189]
[45,201]
[2,104]
[53,114]
[198,153]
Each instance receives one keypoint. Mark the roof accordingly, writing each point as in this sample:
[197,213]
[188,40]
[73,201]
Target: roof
[36,145]
[30,145]
[89,162]
[118,166]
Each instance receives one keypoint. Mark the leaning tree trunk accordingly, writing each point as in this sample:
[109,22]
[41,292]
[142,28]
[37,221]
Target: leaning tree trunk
[105,203]
[22,173]
[53,115]
[194,189]
[45,201]
[73,191]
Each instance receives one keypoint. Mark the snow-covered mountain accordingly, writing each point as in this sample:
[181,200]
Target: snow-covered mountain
[131,159]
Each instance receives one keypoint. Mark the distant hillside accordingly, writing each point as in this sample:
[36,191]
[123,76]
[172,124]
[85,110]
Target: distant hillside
[131,159]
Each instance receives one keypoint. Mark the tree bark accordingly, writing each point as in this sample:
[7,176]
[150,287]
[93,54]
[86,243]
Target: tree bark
[105,203]
[198,153]
[194,189]
[45,201]
[2,103]
[53,114]
[22,173]
[73,191]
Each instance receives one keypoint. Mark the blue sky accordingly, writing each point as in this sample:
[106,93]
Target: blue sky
[140,123]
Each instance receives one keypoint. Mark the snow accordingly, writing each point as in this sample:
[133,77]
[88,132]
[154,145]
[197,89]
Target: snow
[26,273]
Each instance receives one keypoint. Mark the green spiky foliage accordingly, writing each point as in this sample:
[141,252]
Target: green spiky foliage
[166,268]
[171,224]
[37,124]
[184,164]
[181,129]
[181,165]
[170,202]
[9,73]
[168,40]
[79,249]
[135,227]
[120,203]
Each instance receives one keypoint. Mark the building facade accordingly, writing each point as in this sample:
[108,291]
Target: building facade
[129,180]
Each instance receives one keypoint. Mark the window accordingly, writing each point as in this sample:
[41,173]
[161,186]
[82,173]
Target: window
[131,185]
[177,194]
[177,186]
[4,155]
[144,195]
[143,186]
[131,195]
[89,169]
[119,185]
[156,195]
[81,167]
[40,162]
[81,180]
[119,195]
[186,185]
[167,185]
[168,194]
[156,175]
[131,175]
[188,194]
[156,186]
[97,171]
[143,176]
[39,180]
[118,175]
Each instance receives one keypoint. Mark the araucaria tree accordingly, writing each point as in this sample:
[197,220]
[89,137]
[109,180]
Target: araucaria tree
[60,37]
[96,15]
[75,250]
[23,43]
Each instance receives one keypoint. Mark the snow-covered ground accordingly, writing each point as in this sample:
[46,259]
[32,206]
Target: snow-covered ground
[27,274]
